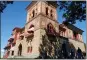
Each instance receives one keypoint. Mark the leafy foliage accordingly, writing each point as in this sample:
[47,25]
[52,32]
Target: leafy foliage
[48,49]
[73,10]
[3,4]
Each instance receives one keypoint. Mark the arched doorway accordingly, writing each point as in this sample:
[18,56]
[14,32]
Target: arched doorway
[20,49]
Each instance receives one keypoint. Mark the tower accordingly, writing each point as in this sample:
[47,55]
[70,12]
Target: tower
[39,15]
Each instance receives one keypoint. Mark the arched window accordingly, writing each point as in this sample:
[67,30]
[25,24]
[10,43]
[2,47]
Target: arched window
[50,28]
[46,10]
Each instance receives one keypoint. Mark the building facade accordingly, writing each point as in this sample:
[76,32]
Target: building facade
[41,25]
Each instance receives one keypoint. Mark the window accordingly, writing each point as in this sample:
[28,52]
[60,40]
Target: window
[50,28]
[51,13]
[12,53]
[75,35]
[46,10]
[33,13]
[20,49]
[29,50]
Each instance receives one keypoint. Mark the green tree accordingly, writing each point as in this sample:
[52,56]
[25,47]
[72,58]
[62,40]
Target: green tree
[73,10]
[3,5]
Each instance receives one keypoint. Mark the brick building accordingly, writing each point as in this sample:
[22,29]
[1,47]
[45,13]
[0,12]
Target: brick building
[41,21]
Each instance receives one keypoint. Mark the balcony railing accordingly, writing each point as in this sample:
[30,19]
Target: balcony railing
[29,35]
[31,30]
[8,46]
[11,40]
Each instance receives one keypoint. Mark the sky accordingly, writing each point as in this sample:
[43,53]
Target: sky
[15,15]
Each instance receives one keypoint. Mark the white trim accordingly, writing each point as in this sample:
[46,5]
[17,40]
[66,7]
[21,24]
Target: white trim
[31,29]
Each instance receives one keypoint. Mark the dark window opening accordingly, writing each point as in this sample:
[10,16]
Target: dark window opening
[33,13]
[46,10]
[12,53]
[51,13]
[20,50]
[74,34]
[48,28]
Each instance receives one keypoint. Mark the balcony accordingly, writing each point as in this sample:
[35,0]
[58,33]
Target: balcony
[11,39]
[29,35]
[31,30]
[51,33]
[8,46]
